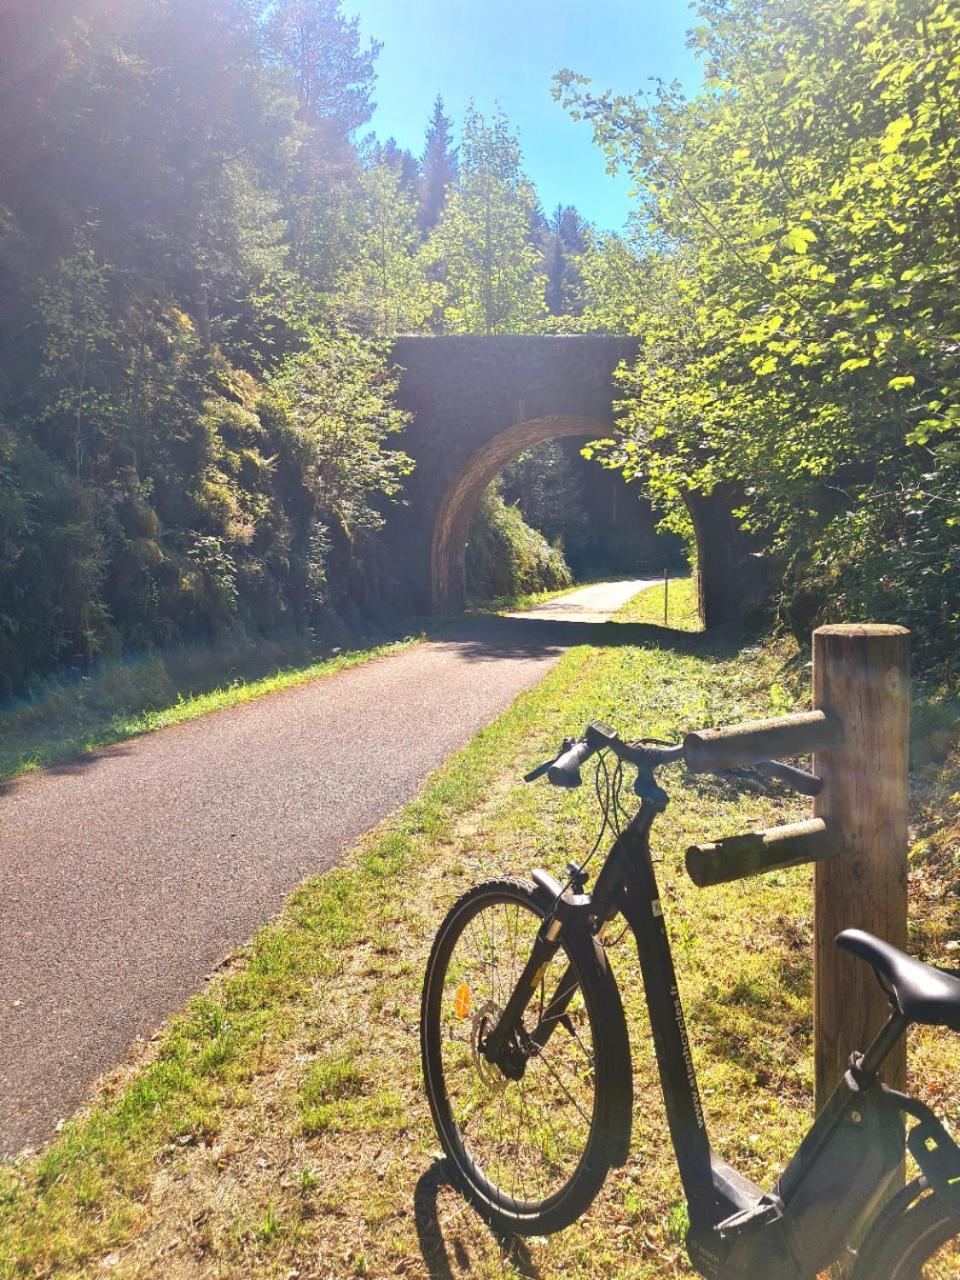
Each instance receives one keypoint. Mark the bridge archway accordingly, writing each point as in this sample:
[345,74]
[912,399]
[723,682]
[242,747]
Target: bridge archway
[477,402]
[460,501]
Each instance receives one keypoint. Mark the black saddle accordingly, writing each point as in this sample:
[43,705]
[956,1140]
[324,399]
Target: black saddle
[922,992]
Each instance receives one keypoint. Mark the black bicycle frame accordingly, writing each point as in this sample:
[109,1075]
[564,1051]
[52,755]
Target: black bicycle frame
[627,885]
[843,1167]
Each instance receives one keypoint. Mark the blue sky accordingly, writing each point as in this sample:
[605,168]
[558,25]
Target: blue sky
[506,51]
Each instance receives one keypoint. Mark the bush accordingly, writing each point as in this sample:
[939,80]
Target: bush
[892,558]
[506,557]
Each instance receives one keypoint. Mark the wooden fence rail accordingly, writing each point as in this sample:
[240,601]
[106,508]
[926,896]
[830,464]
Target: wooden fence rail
[858,733]
[737,857]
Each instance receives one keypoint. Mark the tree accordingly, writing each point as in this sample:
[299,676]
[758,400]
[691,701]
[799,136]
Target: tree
[565,242]
[404,162]
[333,74]
[798,307]
[388,283]
[481,246]
[161,188]
[438,167]
[614,271]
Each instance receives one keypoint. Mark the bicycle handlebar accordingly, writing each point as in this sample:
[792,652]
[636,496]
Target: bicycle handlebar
[564,769]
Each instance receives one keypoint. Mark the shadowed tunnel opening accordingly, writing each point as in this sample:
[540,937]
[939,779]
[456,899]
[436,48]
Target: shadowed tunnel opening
[462,498]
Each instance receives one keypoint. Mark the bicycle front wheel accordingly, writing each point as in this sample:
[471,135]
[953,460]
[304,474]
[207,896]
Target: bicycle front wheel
[921,1243]
[532,1152]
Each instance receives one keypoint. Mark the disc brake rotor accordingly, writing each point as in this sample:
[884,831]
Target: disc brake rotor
[490,1074]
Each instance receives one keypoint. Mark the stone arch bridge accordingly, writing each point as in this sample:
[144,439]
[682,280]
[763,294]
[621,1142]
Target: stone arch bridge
[479,401]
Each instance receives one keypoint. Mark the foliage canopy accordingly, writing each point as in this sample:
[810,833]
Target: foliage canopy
[799,231]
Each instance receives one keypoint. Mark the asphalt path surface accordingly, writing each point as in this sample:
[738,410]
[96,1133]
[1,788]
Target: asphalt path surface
[129,874]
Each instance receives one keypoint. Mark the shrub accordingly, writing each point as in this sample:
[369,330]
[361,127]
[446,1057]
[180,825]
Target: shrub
[506,557]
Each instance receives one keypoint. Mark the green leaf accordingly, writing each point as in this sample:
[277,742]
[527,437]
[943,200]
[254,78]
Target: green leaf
[894,134]
[799,239]
[898,384]
[881,74]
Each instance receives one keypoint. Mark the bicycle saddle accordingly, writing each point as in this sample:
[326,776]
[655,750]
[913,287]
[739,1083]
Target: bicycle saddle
[922,992]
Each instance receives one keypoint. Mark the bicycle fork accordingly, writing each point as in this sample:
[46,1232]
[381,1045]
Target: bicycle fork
[507,1046]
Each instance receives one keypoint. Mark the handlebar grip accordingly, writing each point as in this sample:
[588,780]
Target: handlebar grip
[713,750]
[808,784]
[565,770]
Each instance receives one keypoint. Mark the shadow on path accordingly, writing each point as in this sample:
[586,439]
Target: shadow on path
[490,637]
[433,1246]
[69,766]
[475,638]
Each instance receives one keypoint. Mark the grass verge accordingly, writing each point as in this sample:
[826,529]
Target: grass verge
[279,1126]
[68,718]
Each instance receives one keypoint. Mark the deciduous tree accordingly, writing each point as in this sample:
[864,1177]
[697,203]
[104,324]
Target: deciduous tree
[481,247]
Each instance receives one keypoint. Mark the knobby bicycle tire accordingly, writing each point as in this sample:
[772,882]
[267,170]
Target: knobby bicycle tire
[469,1096]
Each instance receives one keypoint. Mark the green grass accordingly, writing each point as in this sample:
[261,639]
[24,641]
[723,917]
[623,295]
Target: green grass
[65,719]
[682,609]
[526,600]
[279,1123]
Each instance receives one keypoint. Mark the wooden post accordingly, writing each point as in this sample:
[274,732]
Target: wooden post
[861,674]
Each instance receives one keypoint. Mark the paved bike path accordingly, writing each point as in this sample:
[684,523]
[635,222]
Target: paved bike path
[129,874]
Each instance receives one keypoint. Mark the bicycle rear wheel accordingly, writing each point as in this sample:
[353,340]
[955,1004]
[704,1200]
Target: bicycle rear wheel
[530,1153]
[920,1243]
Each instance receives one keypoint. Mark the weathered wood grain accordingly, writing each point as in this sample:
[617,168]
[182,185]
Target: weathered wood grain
[861,676]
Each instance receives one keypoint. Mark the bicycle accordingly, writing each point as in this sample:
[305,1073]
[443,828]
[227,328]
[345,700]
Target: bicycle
[527,1067]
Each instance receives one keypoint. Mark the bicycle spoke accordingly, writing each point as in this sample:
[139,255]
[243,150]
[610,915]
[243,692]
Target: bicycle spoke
[525,1136]
[569,1095]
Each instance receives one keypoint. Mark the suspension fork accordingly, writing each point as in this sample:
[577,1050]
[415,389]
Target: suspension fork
[568,911]
[604,905]
[572,910]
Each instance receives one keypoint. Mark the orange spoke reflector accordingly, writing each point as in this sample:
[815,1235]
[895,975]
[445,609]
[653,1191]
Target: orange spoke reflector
[461,1001]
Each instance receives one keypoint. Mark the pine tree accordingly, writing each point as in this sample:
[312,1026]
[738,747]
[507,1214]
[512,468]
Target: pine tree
[404,162]
[565,242]
[334,75]
[439,167]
